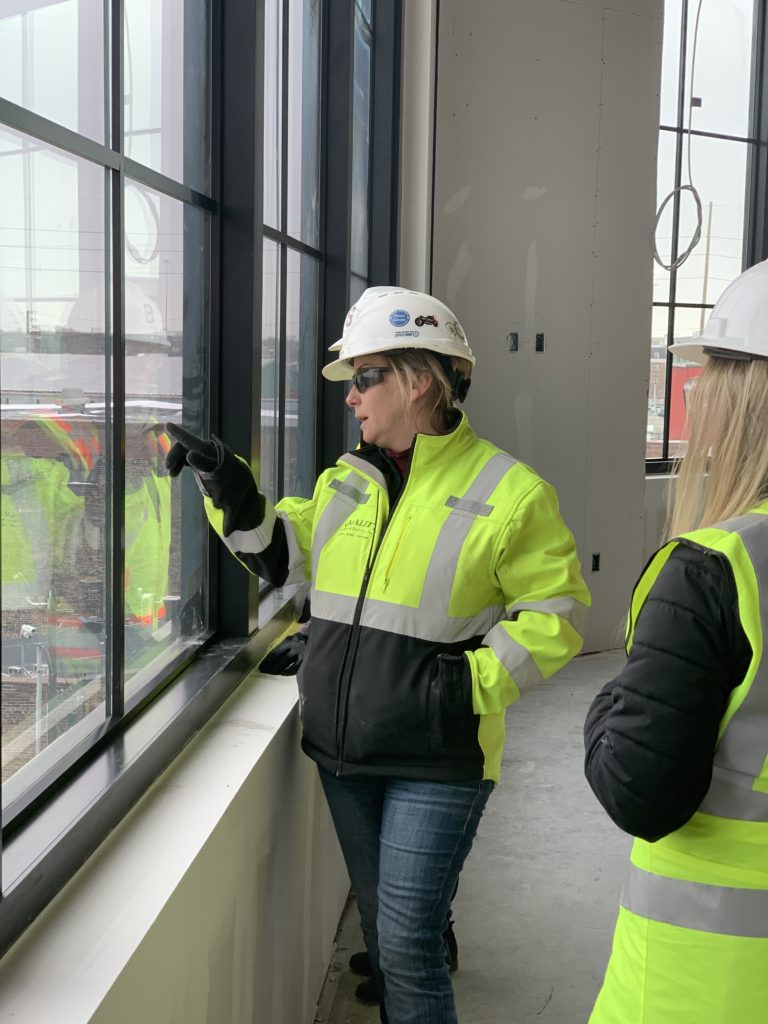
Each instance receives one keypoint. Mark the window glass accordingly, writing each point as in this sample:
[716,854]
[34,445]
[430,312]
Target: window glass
[166,315]
[656,383]
[300,373]
[720,175]
[270,351]
[304,120]
[665,183]
[670,61]
[688,322]
[53,61]
[273,98]
[723,69]
[361,123]
[53,454]
[166,111]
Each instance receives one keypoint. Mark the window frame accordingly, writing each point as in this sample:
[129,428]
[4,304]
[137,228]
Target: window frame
[755,246]
[63,823]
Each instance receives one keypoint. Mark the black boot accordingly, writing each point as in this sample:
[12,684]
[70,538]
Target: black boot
[368,992]
[360,963]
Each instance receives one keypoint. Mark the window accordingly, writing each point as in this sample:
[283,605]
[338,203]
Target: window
[292,255]
[127,302]
[719,153]
[104,321]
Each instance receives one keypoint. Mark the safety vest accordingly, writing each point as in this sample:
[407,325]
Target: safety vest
[691,940]
[473,558]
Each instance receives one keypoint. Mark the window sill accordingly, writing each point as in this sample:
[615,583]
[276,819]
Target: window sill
[43,853]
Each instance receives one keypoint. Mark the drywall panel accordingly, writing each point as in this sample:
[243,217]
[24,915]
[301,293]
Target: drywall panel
[621,308]
[543,211]
[216,900]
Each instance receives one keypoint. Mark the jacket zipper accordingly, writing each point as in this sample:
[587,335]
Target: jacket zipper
[350,650]
[353,638]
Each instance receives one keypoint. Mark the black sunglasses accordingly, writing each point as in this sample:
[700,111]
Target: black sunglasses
[370,376]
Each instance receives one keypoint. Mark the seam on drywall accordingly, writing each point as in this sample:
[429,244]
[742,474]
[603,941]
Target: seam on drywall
[594,264]
[434,151]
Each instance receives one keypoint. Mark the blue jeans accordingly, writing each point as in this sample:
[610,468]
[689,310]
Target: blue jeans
[404,843]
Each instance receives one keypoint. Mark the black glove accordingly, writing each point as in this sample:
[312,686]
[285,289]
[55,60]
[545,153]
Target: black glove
[286,658]
[226,479]
[453,683]
[191,450]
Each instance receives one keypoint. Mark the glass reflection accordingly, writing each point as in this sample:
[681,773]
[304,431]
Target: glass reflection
[361,123]
[300,374]
[53,458]
[166,112]
[166,311]
[53,61]
[270,352]
[304,120]
[273,98]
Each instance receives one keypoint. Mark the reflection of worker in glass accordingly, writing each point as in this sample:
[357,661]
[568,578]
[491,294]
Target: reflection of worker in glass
[147,526]
[677,743]
[48,461]
[443,582]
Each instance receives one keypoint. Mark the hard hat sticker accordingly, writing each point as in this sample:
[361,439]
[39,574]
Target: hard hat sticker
[399,318]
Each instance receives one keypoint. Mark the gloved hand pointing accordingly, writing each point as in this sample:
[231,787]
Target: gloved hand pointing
[191,450]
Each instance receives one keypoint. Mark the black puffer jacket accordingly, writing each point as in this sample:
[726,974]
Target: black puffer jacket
[650,733]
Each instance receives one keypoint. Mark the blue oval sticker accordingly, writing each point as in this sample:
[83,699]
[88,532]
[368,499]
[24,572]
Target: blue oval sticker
[399,318]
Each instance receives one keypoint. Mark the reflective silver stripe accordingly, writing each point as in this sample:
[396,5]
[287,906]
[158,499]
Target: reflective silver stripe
[567,608]
[441,572]
[348,489]
[515,658]
[365,468]
[743,746]
[403,621]
[476,508]
[297,572]
[703,908]
[333,515]
[253,542]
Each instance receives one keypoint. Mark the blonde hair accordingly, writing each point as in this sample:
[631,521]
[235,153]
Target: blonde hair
[410,364]
[724,471]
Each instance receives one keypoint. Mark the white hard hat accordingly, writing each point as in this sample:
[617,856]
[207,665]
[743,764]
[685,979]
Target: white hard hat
[386,318]
[738,324]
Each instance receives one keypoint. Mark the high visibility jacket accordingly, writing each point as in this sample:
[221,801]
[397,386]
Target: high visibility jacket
[691,940]
[473,557]
[147,549]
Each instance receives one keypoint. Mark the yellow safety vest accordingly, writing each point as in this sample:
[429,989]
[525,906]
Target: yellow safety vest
[691,940]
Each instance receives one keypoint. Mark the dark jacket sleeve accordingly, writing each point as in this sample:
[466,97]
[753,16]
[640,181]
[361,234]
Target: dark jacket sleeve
[651,732]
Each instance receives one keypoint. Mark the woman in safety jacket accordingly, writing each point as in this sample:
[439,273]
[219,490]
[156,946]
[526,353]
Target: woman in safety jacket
[677,744]
[443,583]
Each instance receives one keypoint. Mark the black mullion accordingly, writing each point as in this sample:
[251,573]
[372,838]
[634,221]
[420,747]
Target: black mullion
[675,229]
[167,186]
[279,236]
[756,213]
[281,334]
[116,510]
[700,133]
[41,128]
[684,305]
[385,142]
[337,109]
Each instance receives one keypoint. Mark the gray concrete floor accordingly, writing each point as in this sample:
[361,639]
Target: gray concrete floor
[538,896]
